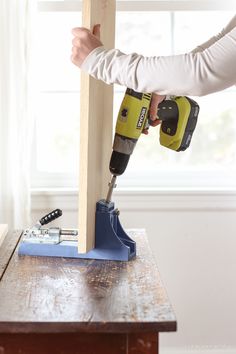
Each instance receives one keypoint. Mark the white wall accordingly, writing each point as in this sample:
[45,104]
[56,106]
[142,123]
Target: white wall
[193,237]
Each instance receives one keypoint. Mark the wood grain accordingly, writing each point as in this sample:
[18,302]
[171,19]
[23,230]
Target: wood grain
[96,115]
[3,232]
[54,295]
[79,344]
[142,343]
[7,249]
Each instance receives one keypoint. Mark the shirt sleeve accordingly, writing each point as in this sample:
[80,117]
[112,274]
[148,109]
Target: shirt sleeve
[196,73]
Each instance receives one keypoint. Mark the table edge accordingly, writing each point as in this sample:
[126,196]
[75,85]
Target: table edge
[95,327]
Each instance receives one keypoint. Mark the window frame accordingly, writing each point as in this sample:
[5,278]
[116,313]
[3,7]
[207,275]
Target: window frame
[142,5]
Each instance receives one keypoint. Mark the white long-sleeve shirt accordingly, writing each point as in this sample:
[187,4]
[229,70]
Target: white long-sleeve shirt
[209,68]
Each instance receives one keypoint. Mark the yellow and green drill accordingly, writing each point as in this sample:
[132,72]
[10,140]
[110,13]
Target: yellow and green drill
[179,118]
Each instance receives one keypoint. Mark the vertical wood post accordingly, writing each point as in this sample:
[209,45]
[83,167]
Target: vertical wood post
[95,126]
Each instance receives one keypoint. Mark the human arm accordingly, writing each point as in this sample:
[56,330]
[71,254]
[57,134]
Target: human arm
[196,73]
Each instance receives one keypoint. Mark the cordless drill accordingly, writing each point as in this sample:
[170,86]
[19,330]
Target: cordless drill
[179,118]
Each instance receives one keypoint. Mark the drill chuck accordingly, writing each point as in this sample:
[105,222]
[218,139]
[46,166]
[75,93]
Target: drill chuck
[118,163]
[123,147]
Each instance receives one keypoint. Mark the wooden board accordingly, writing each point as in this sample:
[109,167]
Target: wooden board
[3,232]
[56,295]
[95,126]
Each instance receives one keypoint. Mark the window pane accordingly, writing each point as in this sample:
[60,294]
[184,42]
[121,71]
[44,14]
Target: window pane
[54,67]
[147,33]
[58,133]
[194,28]
[213,143]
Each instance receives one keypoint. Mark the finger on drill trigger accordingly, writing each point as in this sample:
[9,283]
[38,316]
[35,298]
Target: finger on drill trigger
[152,116]
[96,30]
[153,111]
[145,131]
[155,122]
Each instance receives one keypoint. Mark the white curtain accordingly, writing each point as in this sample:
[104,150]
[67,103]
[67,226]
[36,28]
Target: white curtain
[16,24]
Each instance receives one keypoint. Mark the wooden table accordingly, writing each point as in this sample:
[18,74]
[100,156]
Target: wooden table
[69,306]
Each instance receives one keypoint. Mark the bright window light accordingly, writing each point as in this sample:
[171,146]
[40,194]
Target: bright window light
[210,160]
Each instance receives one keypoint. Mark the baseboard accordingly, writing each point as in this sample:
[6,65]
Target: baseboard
[199,350]
[143,200]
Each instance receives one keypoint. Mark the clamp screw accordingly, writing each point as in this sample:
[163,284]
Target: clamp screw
[117,212]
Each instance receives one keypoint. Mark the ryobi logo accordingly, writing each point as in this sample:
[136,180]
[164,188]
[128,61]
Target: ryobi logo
[141,118]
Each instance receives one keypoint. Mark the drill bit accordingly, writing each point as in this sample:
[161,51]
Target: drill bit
[112,185]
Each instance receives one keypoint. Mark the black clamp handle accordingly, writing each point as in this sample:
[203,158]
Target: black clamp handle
[51,216]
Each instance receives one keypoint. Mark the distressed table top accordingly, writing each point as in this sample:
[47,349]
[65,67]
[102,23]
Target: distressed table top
[42,294]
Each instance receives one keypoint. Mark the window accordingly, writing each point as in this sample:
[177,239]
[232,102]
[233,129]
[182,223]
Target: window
[58,105]
[211,159]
